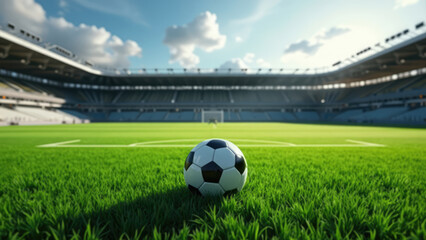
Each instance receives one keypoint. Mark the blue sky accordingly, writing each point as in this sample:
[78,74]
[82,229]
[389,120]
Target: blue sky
[210,34]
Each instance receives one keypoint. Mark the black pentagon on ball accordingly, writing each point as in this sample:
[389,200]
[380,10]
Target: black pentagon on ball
[240,163]
[216,143]
[211,172]
[189,160]
[194,190]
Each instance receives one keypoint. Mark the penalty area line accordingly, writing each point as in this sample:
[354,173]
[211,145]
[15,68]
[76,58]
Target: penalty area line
[59,143]
[365,143]
[158,144]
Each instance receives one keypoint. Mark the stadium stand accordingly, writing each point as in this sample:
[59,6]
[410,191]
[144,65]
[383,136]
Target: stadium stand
[123,116]
[245,96]
[74,113]
[10,115]
[281,116]
[152,116]
[308,116]
[417,115]
[251,116]
[232,116]
[185,116]
[381,114]
[346,115]
[385,102]
[71,92]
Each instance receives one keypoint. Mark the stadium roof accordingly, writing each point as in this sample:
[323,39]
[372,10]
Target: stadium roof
[31,58]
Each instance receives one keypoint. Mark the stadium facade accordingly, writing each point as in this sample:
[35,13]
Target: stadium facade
[42,83]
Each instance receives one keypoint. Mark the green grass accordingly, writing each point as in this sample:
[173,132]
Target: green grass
[131,193]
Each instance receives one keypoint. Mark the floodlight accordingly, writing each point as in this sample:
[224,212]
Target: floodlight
[420,25]
[11,26]
[336,63]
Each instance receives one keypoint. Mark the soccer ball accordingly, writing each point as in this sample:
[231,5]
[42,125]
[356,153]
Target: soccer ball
[215,167]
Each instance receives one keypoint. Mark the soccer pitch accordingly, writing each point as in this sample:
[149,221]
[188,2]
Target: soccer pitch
[125,180]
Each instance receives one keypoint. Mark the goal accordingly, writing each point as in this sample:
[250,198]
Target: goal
[211,116]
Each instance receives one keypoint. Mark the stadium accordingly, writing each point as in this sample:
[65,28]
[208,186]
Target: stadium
[386,87]
[92,151]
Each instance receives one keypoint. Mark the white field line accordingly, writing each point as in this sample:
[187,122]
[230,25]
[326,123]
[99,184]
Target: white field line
[199,140]
[366,143]
[164,141]
[265,141]
[58,143]
[155,144]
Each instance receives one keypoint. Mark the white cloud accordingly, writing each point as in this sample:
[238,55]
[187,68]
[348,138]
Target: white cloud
[332,32]
[88,42]
[235,63]
[248,57]
[262,9]
[25,13]
[262,63]
[303,46]
[331,50]
[247,62]
[404,3]
[202,32]
[92,43]
[311,46]
[238,39]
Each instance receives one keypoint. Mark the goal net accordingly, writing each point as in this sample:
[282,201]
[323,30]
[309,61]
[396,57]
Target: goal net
[211,116]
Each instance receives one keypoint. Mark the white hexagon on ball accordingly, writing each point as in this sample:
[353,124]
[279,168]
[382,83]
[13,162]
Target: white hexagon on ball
[193,176]
[215,167]
[231,179]
[224,157]
[203,155]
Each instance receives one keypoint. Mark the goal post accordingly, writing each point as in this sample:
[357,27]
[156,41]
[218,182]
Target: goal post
[212,116]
